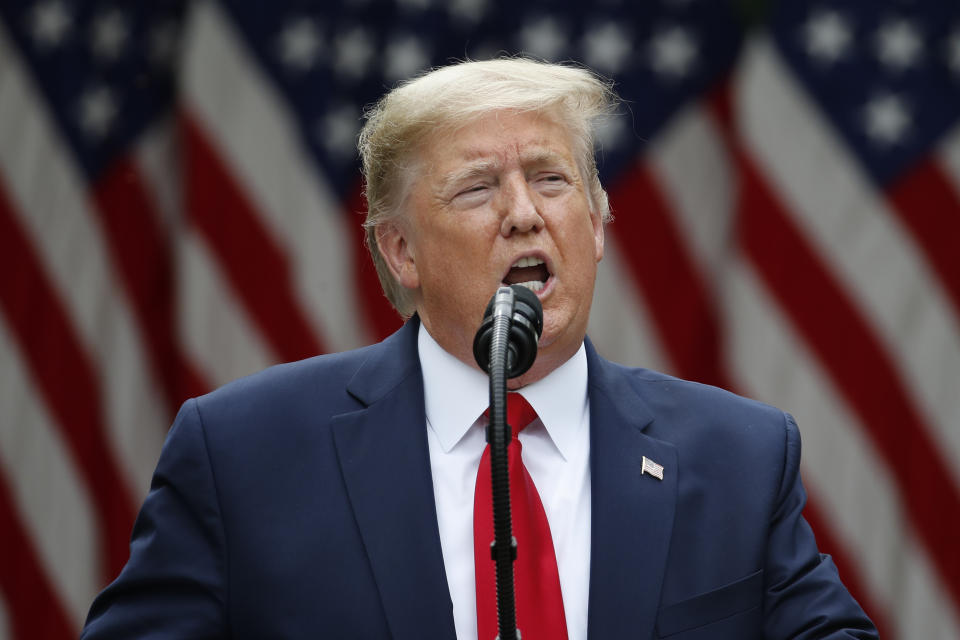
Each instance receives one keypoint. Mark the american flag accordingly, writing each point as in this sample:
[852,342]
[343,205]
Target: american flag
[180,205]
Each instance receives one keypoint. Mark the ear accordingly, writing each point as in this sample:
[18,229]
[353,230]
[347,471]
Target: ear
[397,250]
[597,221]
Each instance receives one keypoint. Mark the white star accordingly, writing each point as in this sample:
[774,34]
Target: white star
[898,45]
[468,11]
[338,130]
[673,52]
[403,57]
[953,52]
[827,36]
[49,23]
[607,47]
[887,119]
[97,111]
[543,38]
[109,34]
[300,44]
[353,52]
[612,131]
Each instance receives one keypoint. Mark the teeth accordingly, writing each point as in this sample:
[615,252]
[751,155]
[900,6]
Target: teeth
[533,285]
[526,262]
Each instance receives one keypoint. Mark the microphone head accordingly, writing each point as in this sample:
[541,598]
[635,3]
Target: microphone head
[526,326]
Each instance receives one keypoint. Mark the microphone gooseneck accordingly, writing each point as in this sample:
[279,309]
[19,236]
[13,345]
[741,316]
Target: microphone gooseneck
[505,347]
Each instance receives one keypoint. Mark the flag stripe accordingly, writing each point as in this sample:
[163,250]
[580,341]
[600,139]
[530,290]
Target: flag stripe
[57,501]
[216,204]
[142,253]
[216,327]
[67,380]
[377,312]
[930,207]
[858,365]
[35,610]
[50,198]
[661,266]
[689,160]
[620,322]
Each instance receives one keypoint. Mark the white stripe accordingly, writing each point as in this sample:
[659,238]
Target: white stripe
[157,157]
[620,325]
[51,197]
[215,327]
[689,160]
[860,238]
[256,136]
[46,486]
[841,468]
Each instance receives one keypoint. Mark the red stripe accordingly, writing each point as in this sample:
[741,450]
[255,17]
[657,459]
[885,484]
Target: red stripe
[253,260]
[849,572]
[141,252]
[844,342]
[662,266]
[377,310]
[64,374]
[930,208]
[35,611]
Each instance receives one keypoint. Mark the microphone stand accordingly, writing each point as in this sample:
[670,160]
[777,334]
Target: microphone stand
[505,347]
[503,550]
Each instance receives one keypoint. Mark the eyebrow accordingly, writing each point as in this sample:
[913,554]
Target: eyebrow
[472,170]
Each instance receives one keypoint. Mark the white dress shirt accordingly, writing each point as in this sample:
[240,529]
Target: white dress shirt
[556,453]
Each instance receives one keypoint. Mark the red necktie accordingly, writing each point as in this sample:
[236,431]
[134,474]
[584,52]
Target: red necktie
[539,602]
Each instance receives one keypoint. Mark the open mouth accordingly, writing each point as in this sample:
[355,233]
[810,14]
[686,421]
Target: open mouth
[529,272]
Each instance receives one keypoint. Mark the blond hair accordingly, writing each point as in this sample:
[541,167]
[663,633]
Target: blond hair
[445,99]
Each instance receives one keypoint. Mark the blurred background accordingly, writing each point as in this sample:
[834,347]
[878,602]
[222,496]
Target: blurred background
[180,205]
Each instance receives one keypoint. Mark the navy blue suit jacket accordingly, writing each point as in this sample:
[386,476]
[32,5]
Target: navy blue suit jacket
[298,503]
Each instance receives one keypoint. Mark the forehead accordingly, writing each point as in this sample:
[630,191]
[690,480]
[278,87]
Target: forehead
[499,138]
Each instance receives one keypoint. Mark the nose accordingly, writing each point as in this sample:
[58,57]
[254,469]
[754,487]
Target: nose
[520,208]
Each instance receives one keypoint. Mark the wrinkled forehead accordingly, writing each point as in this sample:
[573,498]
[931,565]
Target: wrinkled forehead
[495,140]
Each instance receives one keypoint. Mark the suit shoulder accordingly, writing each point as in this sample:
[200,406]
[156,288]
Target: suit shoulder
[696,395]
[284,398]
[686,410]
[281,380]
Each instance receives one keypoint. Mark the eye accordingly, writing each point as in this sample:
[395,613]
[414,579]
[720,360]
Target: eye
[472,195]
[550,182]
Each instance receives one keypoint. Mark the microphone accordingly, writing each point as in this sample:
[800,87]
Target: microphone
[524,313]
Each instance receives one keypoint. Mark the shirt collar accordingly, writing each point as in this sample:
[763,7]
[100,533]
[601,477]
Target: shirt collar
[455,394]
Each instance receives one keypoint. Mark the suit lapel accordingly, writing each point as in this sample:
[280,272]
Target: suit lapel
[383,455]
[632,513]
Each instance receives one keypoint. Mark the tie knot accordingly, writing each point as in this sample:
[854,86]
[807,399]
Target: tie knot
[519,412]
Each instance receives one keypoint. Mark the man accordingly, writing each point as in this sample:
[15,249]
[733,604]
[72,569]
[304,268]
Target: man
[334,497]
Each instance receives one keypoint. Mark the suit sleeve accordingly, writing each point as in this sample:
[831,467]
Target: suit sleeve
[804,597]
[174,584]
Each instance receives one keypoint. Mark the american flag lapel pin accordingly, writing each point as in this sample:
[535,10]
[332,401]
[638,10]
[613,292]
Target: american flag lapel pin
[651,467]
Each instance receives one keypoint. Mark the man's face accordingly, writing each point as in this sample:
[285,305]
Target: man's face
[501,201]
